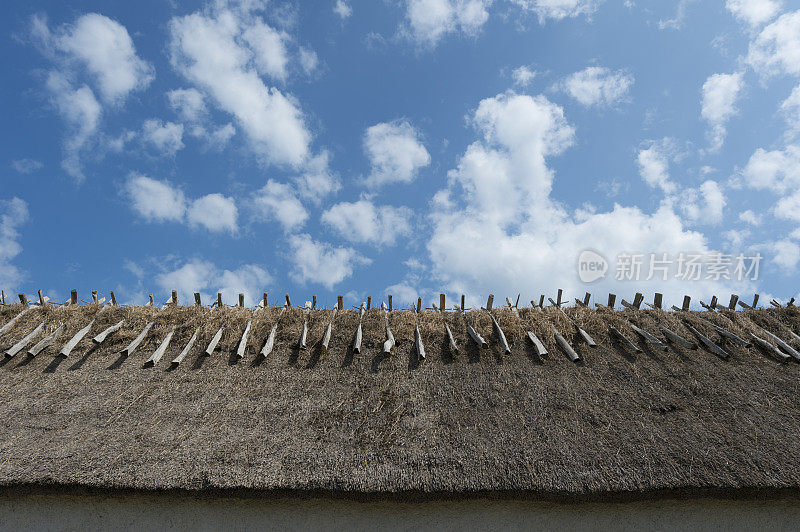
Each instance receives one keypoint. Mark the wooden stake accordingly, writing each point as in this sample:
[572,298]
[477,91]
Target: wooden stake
[219,300]
[327,337]
[47,341]
[562,342]
[265,300]
[197,301]
[241,300]
[67,349]
[94,296]
[243,342]
[128,351]
[214,341]
[780,355]
[100,338]
[23,299]
[186,349]
[12,321]
[19,346]
[500,335]
[288,302]
[714,348]
[621,337]
[420,345]
[41,298]
[390,302]
[113,297]
[369,302]
[314,302]
[462,302]
[270,344]
[648,337]
[160,350]
[73,297]
[339,303]
[389,343]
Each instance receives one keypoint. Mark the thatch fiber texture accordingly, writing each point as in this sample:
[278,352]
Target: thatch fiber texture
[477,421]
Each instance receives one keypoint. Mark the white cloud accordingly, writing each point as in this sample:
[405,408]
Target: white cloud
[364,222]
[791,111]
[215,212]
[322,263]
[559,9]
[750,218]
[188,103]
[654,165]
[104,48]
[754,12]
[788,207]
[155,201]
[777,48]
[317,181]
[523,76]
[395,152]
[704,204]
[208,48]
[26,166]
[165,137]
[787,254]
[13,213]
[308,60]
[206,278]
[777,170]
[269,48]
[430,20]
[81,112]
[720,93]
[599,86]
[342,8]
[278,201]
[403,294]
[496,229]
[680,15]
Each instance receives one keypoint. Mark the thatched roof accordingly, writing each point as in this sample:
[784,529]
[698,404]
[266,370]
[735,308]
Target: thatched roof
[476,421]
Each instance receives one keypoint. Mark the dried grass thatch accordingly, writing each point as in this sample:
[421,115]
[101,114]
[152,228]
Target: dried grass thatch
[477,421]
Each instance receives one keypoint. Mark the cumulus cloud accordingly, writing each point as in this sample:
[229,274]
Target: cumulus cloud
[496,228]
[205,277]
[777,170]
[754,12]
[26,166]
[791,111]
[598,86]
[558,9]
[222,50]
[160,201]
[703,205]
[317,181]
[188,103]
[428,21]
[215,212]
[342,8]
[364,222]
[308,60]
[786,254]
[81,112]
[750,218]
[322,263]
[676,23]
[278,201]
[102,46]
[395,153]
[720,93]
[155,201]
[523,76]
[13,214]
[167,137]
[654,164]
[776,50]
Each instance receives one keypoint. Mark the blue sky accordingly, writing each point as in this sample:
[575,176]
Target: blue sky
[404,147]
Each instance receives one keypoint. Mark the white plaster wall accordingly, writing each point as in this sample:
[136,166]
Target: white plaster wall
[79,512]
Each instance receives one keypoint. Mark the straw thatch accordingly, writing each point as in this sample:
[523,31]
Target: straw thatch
[480,420]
